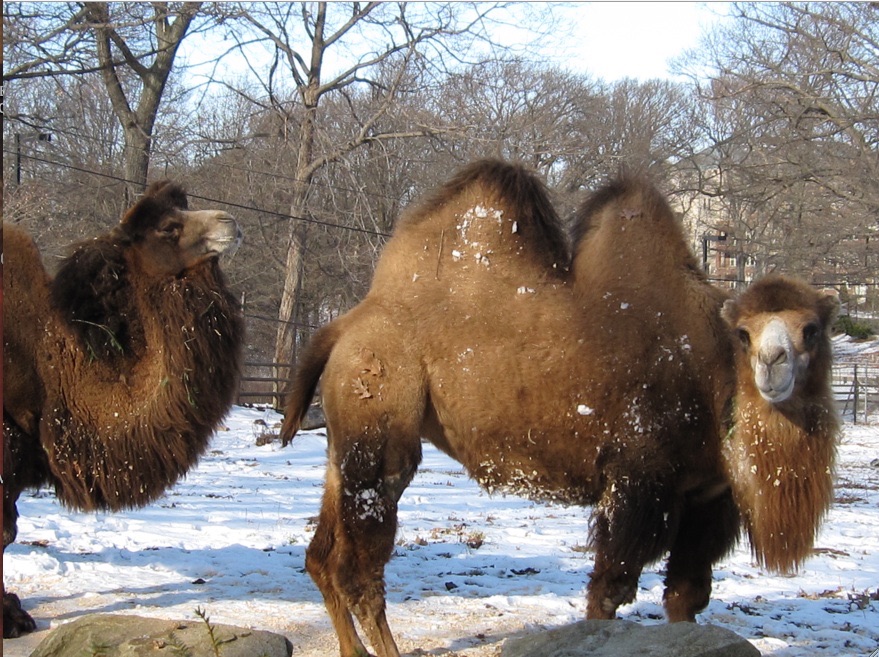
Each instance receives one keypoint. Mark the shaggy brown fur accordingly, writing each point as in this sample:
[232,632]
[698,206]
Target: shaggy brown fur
[118,370]
[781,455]
[606,384]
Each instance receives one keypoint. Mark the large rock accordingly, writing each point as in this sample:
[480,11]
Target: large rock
[619,638]
[110,635]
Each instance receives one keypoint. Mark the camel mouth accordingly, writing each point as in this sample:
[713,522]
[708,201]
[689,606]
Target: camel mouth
[225,239]
[775,395]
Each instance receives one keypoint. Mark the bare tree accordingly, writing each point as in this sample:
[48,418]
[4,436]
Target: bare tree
[137,106]
[131,45]
[793,101]
[388,48]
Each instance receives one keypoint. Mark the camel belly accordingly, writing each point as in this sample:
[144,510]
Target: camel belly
[519,439]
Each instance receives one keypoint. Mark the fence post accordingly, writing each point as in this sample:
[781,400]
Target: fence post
[857,389]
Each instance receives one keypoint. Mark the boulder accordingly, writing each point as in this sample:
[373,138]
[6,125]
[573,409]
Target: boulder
[619,638]
[113,635]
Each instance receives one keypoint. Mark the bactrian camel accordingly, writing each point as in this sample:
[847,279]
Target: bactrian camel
[602,379]
[118,369]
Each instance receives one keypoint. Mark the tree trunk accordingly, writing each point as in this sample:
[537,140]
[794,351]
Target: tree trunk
[285,343]
[138,122]
[289,312]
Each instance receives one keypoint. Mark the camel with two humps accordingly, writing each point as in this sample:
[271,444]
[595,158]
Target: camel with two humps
[117,370]
[601,378]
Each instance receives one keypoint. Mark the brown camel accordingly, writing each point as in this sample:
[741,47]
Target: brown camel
[118,370]
[782,451]
[604,384]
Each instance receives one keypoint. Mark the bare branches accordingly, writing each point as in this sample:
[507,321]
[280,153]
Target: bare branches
[793,109]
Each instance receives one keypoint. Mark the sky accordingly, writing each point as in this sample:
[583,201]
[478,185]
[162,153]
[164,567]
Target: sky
[607,40]
[615,40]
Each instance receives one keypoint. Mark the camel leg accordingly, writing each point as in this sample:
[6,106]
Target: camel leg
[355,536]
[18,474]
[16,621]
[707,532]
[629,530]
[320,563]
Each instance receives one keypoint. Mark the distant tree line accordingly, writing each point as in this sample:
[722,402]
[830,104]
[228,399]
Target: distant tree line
[316,123]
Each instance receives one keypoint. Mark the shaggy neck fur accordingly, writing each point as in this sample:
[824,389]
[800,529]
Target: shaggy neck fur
[781,466]
[146,372]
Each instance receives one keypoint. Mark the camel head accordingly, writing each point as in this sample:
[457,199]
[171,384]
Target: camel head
[159,241]
[168,238]
[782,330]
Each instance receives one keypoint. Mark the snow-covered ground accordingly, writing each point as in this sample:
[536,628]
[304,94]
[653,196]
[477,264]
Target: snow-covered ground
[469,571]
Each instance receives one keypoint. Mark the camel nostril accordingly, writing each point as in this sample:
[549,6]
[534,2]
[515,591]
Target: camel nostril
[773,356]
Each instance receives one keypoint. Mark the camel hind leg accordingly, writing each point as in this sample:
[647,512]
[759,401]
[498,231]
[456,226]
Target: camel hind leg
[374,450]
[355,537]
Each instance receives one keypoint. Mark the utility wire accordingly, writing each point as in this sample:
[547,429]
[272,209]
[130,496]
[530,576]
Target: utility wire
[241,206]
[327,224]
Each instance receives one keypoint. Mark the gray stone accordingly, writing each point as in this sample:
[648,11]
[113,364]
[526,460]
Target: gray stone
[314,418]
[619,638]
[112,635]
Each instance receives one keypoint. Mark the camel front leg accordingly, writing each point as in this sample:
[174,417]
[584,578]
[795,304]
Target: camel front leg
[613,582]
[16,477]
[708,531]
[16,621]
[630,529]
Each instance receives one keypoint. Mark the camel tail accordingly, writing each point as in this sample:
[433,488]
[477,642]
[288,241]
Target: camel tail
[305,381]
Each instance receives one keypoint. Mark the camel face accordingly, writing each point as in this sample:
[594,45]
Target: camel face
[780,345]
[780,351]
[168,238]
[183,239]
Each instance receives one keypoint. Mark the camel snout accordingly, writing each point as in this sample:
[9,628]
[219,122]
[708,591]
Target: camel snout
[227,235]
[774,371]
[775,380]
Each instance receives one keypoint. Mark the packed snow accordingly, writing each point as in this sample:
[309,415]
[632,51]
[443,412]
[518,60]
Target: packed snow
[469,570]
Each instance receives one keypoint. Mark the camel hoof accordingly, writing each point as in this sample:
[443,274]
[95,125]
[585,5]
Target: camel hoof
[16,621]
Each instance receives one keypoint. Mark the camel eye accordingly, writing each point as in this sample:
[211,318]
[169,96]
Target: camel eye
[743,336]
[810,334]
[168,231]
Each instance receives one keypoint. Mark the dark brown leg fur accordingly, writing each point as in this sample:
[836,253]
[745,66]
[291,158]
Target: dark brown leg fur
[24,466]
[630,529]
[355,538]
[708,531]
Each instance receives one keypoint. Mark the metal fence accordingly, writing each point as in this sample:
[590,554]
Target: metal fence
[856,389]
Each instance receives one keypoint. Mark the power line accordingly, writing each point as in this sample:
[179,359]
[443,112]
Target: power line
[171,155]
[240,206]
[279,176]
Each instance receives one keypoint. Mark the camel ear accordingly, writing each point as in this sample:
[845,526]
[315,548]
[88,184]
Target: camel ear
[828,308]
[730,312]
[158,199]
[168,193]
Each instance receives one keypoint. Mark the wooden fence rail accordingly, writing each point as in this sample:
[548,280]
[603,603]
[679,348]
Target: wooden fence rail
[265,383]
[855,387]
